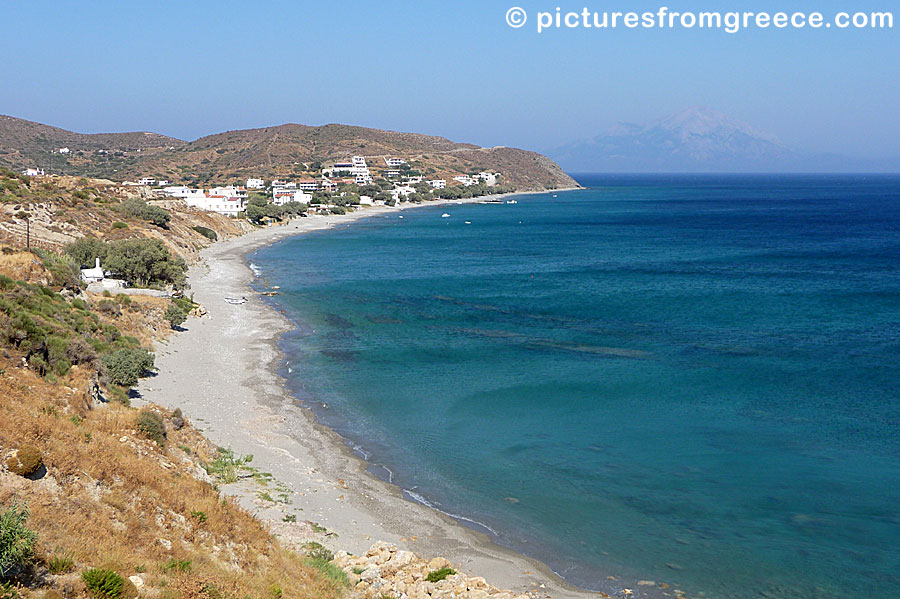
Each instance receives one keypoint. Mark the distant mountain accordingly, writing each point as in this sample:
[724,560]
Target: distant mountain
[266,152]
[694,140]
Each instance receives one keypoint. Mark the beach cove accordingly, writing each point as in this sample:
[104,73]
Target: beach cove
[222,373]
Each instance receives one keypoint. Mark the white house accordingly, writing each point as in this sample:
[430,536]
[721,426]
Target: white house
[255,183]
[414,180]
[93,275]
[230,200]
[391,173]
[147,181]
[178,191]
[308,184]
[400,192]
[489,178]
[283,197]
[465,180]
[162,182]
[438,183]
[337,169]
[63,150]
[282,193]
[33,172]
[394,161]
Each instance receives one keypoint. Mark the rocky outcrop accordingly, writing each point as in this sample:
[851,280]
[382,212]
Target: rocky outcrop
[386,571]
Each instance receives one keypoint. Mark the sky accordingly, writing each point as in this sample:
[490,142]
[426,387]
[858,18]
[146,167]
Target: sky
[453,68]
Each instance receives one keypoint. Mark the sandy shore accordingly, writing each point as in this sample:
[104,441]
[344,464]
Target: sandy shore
[221,373]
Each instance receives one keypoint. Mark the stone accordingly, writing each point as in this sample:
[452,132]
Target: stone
[137,581]
[438,563]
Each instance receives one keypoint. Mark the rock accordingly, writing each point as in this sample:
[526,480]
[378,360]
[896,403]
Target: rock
[137,581]
[177,419]
[93,394]
[166,543]
[438,563]
[370,574]
[476,582]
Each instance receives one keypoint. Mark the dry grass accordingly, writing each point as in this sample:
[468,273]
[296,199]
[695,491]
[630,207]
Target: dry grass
[116,500]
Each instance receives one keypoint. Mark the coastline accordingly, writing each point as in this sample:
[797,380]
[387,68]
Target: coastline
[222,374]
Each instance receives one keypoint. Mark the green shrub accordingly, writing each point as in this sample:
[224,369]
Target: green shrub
[103,584]
[317,551]
[60,564]
[330,571]
[226,465]
[151,425]
[177,565]
[138,208]
[199,516]
[439,575]
[119,225]
[26,462]
[64,271]
[175,315]
[16,540]
[125,366]
[109,307]
[206,232]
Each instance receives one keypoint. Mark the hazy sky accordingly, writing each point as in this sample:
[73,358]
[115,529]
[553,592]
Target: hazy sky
[450,68]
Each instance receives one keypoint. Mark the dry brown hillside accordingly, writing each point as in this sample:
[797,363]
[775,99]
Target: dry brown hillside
[109,497]
[268,152]
[60,209]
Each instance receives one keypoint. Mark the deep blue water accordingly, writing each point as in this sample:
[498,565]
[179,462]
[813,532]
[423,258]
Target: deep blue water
[692,380]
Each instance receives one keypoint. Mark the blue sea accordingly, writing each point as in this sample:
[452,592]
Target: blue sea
[693,380]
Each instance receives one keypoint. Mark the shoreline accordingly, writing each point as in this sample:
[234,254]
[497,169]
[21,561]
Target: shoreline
[238,399]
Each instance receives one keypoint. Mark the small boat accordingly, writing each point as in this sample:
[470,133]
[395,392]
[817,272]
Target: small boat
[401,216]
[236,300]
[468,222]
[445,215]
[512,201]
[555,196]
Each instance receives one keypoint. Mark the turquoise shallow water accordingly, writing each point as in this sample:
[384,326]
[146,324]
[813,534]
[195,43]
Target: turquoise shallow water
[693,380]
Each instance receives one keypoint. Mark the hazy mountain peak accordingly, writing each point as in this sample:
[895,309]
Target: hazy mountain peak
[696,139]
[703,121]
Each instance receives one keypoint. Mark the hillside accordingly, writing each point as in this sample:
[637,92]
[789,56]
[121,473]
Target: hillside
[62,209]
[269,152]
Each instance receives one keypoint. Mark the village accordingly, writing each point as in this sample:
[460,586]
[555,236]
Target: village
[336,188]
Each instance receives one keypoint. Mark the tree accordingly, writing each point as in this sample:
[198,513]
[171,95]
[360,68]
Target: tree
[255,213]
[86,250]
[145,262]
